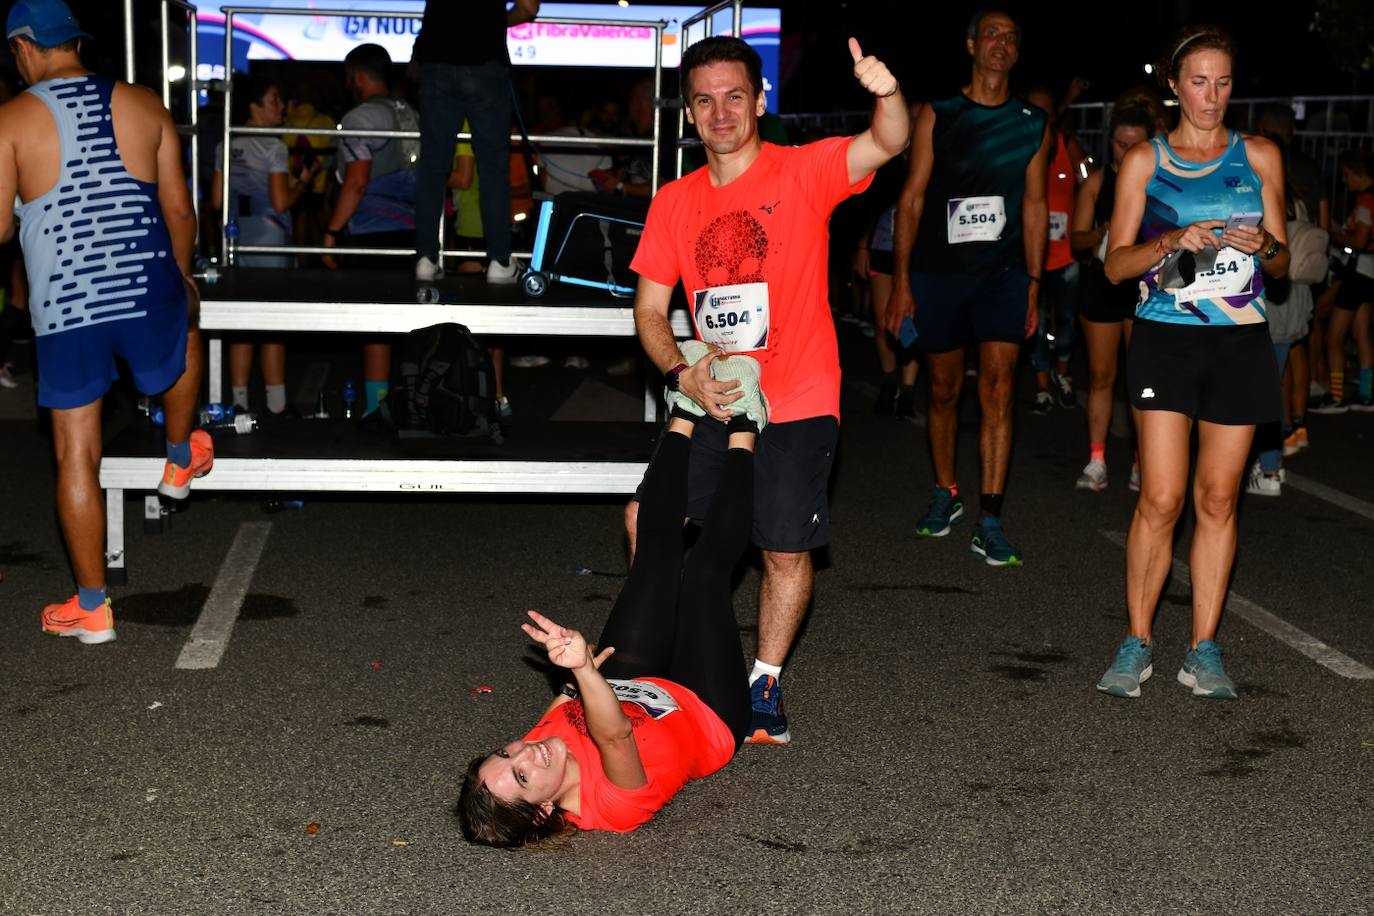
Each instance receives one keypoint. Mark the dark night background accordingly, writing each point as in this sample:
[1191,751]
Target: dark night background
[1320,47]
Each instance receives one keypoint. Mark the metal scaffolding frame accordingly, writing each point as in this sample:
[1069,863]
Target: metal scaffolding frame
[231,131]
[189,128]
[707,19]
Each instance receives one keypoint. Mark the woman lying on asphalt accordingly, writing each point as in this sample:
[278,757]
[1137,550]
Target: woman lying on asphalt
[666,699]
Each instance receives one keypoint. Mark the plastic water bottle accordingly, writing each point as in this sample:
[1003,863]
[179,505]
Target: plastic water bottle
[220,416]
[350,397]
[231,242]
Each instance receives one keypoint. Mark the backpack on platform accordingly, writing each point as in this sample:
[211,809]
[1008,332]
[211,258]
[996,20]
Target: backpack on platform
[443,384]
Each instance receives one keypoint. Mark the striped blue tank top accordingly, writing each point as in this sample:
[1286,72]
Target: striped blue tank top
[1182,192]
[95,245]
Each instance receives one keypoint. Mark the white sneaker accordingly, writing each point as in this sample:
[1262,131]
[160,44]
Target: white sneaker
[504,273]
[427,271]
[576,362]
[1261,484]
[1094,477]
[7,379]
[528,361]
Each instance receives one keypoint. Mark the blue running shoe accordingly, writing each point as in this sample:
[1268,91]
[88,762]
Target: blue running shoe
[1129,669]
[769,725]
[945,509]
[992,545]
[1202,671]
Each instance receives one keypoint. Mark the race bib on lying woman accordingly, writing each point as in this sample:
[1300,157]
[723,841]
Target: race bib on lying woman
[734,318]
[975,219]
[650,697]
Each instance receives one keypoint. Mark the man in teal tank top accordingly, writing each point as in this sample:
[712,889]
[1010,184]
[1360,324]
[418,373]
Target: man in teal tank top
[971,230]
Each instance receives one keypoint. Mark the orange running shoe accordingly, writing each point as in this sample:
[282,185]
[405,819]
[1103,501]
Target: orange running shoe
[68,619]
[176,480]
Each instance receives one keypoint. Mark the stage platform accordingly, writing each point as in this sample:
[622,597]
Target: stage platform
[547,456]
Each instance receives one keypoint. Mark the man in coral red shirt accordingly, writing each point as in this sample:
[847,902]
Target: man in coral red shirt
[747,237]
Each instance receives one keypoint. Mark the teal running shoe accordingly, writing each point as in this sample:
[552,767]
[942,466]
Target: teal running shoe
[945,509]
[1202,672]
[746,371]
[1129,669]
[992,545]
[692,351]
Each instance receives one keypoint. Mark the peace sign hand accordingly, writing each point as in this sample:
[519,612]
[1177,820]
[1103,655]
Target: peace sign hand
[567,648]
[872,73]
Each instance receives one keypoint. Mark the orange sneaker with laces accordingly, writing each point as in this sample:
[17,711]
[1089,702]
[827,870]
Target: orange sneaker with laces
[68,619]
[176,480]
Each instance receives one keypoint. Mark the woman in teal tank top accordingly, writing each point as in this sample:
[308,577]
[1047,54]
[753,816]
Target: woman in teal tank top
[1198,221]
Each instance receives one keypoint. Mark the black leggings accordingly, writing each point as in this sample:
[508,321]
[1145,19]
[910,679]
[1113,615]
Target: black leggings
[673,619]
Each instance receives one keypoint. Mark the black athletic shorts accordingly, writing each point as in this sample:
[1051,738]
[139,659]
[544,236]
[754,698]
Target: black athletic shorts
[1220,375]
[791,476]
[1356,289]
[1099,300]
[952,309]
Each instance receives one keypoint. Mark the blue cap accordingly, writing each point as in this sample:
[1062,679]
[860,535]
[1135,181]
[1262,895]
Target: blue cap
[46,23]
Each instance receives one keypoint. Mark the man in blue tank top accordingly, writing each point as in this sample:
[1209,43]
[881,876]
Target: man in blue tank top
[971,229]
[107,226]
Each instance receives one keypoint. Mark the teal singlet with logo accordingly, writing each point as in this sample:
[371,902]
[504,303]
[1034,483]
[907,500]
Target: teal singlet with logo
[971,222]
[1180,193]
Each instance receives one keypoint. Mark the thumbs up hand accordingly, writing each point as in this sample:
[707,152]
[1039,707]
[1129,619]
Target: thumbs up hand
[872,73]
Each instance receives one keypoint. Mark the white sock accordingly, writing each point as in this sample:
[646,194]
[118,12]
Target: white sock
[240,396]
[276,398]
[762,668]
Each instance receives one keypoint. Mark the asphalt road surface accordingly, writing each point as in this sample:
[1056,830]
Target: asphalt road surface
[950,754]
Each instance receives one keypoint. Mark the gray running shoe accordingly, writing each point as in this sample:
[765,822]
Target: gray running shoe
[1202,672]
[1129,669]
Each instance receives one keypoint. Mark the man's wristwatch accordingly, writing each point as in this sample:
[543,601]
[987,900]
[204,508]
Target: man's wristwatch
[671,377]
[1271,252]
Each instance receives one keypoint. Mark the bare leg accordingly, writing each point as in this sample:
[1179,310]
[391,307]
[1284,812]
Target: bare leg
[80,505]
[1337,327]
[1299,377]
[1104,345]
[1362,339]
[881,285]
[997,365]
[376,362]
[273,356]
[1163,437]
[241,364]
[1223,454]
[179,401]
[946,381]
[784,594]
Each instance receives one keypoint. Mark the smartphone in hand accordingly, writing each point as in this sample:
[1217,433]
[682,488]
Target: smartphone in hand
[906,334]
[1243,219]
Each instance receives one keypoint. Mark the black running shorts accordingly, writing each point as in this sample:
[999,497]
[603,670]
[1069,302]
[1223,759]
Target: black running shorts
[1102,301]
[1222,375]
[1356,289]
[791,476]
[952,309]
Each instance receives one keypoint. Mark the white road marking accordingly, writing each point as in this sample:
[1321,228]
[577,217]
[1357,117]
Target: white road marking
[210,636]
[1275,626]
[1330,494]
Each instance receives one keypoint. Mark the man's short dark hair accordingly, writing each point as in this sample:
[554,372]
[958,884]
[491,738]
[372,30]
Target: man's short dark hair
[372,60]
[721,49]
[976,21]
